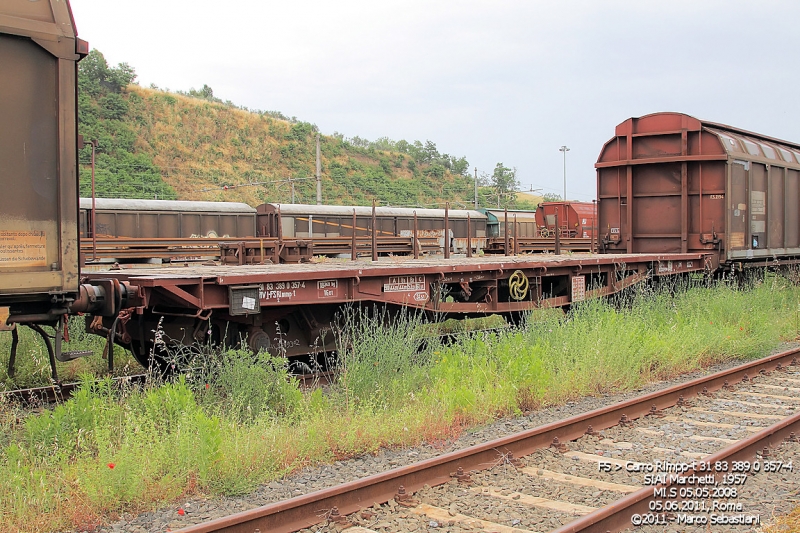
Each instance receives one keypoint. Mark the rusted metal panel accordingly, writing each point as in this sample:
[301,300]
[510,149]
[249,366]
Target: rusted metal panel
[670,183]
[141,219]
[39,52]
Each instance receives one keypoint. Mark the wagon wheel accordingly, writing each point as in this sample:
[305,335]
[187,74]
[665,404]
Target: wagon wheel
[545,232]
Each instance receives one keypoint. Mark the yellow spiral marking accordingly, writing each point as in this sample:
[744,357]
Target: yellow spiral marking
[518,285]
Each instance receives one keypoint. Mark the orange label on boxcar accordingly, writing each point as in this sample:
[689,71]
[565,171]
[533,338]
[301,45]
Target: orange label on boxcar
[22,249]
[737,239]
[3,317]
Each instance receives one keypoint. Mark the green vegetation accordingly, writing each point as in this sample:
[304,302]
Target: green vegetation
[121,169]
[33,365]
[191,145]
[499,189]
[238,421]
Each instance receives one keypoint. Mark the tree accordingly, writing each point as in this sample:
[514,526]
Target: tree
[206,93]
[505,185]
[551,197]
[103,115]
[96,77]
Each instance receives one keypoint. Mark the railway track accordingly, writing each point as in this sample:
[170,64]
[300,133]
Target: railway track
[606,470]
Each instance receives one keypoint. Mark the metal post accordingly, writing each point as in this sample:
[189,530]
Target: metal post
[594,224]
[374,234]
[353,251]
[564,149]
[469,236]
[558,235]
[94,207]
[516,239]
[505,230]
[319,175]
[446,230]
[415,238]
[279,248]
[476,188]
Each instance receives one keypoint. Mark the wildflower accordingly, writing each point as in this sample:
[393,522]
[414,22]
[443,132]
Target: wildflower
[181,512]
[207,386]
[111,465]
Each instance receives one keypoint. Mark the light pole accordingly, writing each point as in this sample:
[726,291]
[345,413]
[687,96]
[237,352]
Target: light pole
[565,150]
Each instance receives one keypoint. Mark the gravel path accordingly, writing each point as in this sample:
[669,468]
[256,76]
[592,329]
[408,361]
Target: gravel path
[312,479]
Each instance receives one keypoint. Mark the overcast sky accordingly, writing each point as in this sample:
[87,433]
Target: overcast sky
[495,81]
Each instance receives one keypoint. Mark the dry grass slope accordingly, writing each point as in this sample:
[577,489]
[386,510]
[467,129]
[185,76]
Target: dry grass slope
[212,151]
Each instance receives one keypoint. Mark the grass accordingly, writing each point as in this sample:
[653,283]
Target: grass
[239,420]
[33,365]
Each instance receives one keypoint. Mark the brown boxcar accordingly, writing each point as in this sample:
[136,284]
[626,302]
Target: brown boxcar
[144,219]
[575,219]
[39,54]
[668,182]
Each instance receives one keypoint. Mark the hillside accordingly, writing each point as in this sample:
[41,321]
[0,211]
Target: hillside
[192,146]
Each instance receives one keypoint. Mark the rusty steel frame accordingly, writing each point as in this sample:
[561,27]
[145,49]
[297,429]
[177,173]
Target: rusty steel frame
[203,288]
[310,509]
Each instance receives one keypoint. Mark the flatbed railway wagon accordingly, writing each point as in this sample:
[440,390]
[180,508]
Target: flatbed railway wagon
[289,309]
[670,183]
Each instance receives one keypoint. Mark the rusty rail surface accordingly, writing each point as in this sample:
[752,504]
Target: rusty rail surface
[306,510]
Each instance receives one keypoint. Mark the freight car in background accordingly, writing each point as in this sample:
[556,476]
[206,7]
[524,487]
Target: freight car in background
[321,221]
[569,219]
[166,219]
[670,183]
[525,223]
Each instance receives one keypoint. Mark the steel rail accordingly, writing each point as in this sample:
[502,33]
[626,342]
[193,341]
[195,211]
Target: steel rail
[617,516]
[309,509]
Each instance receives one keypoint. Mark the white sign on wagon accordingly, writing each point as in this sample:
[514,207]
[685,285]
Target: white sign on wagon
[405,284]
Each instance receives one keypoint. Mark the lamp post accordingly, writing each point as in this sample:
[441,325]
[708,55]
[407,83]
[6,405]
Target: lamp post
[564,149]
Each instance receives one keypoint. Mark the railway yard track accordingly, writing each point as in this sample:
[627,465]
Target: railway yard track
[623,465]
